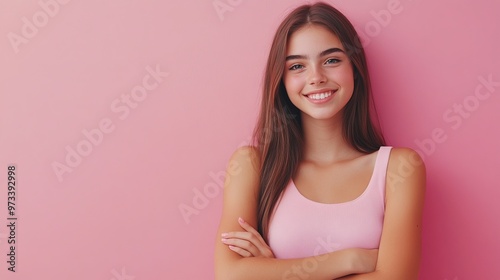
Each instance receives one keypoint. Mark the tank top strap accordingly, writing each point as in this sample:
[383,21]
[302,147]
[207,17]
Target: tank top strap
[380,171]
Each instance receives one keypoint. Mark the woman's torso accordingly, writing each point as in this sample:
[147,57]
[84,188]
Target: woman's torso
[302,227]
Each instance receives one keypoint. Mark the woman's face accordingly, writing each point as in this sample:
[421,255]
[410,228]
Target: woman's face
[318,75]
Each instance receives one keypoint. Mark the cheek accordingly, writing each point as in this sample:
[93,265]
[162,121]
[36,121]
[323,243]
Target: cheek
[348,83]
[344,76]
[293,86]
[293,83]
[348,80]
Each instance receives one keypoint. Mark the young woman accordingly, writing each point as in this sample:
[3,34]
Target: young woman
[319,196]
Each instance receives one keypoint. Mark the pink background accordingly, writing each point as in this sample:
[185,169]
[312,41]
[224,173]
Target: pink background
[117,215]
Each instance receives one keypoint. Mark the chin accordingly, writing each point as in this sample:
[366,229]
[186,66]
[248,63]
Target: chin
[323,117]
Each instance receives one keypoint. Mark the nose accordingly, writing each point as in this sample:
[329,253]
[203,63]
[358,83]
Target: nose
[316,76]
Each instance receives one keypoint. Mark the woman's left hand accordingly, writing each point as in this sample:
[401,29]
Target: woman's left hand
[248,243]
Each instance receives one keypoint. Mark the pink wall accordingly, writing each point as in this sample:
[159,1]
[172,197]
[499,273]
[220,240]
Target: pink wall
[119,113]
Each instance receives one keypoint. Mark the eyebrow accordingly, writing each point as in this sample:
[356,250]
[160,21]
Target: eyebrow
[323,53]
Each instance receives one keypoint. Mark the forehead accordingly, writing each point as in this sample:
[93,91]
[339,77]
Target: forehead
[312,40]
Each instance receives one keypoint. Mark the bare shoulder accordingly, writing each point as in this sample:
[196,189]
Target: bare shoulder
[245,155]
[400,245]
[243,166]
[404,151]
[405,167]
[406,163]
[241,187]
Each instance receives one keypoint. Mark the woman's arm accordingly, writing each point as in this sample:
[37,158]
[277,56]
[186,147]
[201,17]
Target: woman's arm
[240,200]
[399,251]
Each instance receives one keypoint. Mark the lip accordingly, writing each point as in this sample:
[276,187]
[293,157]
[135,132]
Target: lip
[320,101]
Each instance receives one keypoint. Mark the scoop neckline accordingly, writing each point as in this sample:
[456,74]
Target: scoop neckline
[345,202]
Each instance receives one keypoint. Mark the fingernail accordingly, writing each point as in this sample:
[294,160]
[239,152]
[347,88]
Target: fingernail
[231,247]
[224,240]
[224,234]
[240,220]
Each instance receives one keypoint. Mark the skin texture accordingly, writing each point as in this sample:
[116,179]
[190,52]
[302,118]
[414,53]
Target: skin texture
[317,63]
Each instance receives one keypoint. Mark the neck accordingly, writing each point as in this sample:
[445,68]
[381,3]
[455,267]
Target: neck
[323,140]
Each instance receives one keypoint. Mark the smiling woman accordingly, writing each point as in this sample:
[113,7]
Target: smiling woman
[311,61]
[314,198]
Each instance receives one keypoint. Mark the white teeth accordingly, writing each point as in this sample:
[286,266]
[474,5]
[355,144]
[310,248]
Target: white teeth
[319,96]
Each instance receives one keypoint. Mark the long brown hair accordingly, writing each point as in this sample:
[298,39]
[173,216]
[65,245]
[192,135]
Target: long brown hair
[278,133]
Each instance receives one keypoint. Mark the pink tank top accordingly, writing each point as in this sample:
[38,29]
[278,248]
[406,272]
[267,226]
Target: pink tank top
[301,227]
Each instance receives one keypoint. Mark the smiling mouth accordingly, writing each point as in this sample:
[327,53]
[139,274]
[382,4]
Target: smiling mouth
[320,95]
